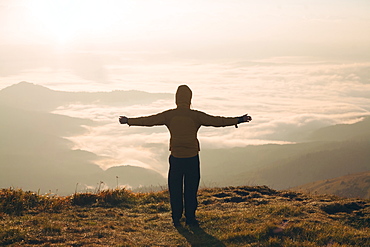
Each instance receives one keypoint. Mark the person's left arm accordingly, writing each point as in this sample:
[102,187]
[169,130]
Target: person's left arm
[218,121]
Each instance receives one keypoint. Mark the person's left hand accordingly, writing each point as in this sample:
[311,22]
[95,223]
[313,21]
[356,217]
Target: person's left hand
[123,120]
[247,118]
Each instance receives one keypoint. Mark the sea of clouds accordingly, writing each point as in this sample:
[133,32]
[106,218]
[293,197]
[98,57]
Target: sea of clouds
[288,98]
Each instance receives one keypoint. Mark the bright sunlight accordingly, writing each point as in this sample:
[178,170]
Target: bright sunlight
[65,20]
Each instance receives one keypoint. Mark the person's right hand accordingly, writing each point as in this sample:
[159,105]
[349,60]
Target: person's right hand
[123,120]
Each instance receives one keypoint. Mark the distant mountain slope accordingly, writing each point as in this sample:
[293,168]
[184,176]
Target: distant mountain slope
[132,176]
[34,155]
[286,166]
[353,185]
[332,161]
[29,96]
[341,132]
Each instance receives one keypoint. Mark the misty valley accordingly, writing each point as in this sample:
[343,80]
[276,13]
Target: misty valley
[36,156]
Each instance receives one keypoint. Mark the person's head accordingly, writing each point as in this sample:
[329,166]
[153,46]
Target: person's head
[183,96]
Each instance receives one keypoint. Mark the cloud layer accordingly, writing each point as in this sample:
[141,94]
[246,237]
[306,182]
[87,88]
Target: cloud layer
[287,97]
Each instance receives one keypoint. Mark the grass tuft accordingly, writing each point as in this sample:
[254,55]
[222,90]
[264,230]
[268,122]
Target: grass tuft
[11,235]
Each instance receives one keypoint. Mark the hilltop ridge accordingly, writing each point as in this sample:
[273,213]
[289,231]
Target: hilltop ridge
[229,216]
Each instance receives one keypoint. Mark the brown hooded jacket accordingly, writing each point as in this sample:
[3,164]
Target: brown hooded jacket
[183,124]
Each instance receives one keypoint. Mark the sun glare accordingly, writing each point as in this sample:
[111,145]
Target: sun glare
[65,20]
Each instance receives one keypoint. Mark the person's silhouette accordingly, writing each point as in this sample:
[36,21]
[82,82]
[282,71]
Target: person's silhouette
[184,173]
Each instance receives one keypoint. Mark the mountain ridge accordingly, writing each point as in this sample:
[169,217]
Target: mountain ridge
[25,95]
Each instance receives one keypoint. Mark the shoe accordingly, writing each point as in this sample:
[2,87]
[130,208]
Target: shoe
[192,222]
[176,223]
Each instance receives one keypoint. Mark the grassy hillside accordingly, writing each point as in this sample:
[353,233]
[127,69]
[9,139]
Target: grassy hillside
[353,185]
[232,216]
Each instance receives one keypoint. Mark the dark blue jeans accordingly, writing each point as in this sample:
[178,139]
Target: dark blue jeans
[183,183]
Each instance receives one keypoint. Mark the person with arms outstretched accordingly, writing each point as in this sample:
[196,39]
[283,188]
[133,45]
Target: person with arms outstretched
[184,172]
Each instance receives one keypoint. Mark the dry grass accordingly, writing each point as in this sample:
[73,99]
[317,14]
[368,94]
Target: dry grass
[234,216]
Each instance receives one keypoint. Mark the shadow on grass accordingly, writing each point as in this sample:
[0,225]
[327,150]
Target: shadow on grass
[196,236]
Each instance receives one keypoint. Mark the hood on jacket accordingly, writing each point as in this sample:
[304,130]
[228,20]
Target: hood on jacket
[183,96]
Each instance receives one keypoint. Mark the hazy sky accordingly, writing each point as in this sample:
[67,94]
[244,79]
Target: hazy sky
[294,65]
[87,41]
[191,22]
